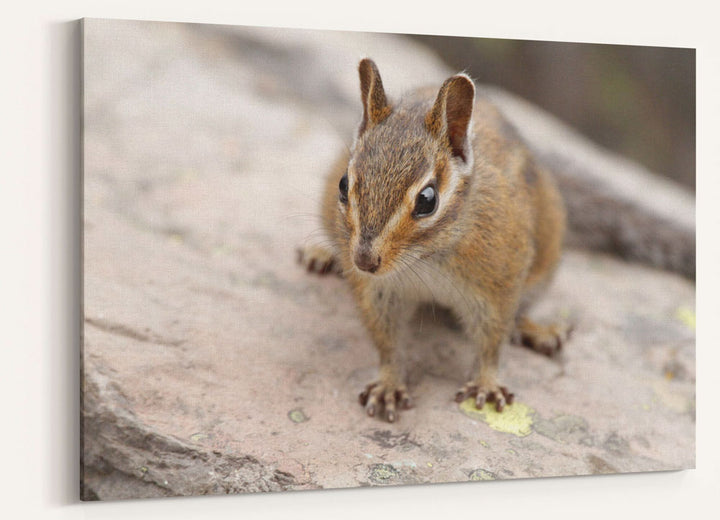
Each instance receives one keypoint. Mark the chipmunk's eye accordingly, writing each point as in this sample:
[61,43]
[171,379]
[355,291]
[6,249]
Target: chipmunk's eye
[344,189]
[426,202]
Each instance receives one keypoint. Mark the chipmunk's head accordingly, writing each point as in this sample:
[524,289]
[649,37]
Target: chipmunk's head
[408,174]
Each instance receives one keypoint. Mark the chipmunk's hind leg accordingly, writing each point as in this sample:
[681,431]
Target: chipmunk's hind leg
[544,339]
[318,259]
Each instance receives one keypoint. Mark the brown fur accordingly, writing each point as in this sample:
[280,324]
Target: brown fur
[492,247]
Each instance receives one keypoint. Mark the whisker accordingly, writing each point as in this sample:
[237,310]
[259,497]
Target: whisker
[401,274]
[300,215]
[430,268]
[430,290]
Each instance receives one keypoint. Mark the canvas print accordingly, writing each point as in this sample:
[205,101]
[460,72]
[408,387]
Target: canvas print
[324,259]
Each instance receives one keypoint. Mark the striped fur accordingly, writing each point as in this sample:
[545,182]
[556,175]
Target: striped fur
[493,242]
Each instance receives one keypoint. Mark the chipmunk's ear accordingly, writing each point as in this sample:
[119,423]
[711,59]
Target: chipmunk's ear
[451,114]
[375,105]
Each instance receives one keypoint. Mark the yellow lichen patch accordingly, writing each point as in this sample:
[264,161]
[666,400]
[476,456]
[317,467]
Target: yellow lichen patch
[516,418]
[481,474]
[687,316]
[198,437]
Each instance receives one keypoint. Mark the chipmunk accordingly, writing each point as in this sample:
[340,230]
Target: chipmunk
[438,199]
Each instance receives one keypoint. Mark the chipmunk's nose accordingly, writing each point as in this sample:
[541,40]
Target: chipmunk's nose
[366,259]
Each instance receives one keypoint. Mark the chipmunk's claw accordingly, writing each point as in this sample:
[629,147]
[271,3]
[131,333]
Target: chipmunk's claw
[379,398]
[482,394]
[317,259]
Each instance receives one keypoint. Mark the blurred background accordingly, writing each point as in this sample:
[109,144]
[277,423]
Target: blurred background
[637,101]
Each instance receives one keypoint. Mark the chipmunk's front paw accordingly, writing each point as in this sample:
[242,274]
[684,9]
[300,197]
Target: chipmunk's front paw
[318,259]
[482,393]
[385,399]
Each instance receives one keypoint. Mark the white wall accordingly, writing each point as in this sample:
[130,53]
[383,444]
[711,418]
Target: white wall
[38,200]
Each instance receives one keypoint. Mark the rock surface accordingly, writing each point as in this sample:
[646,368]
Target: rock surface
[213,364]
